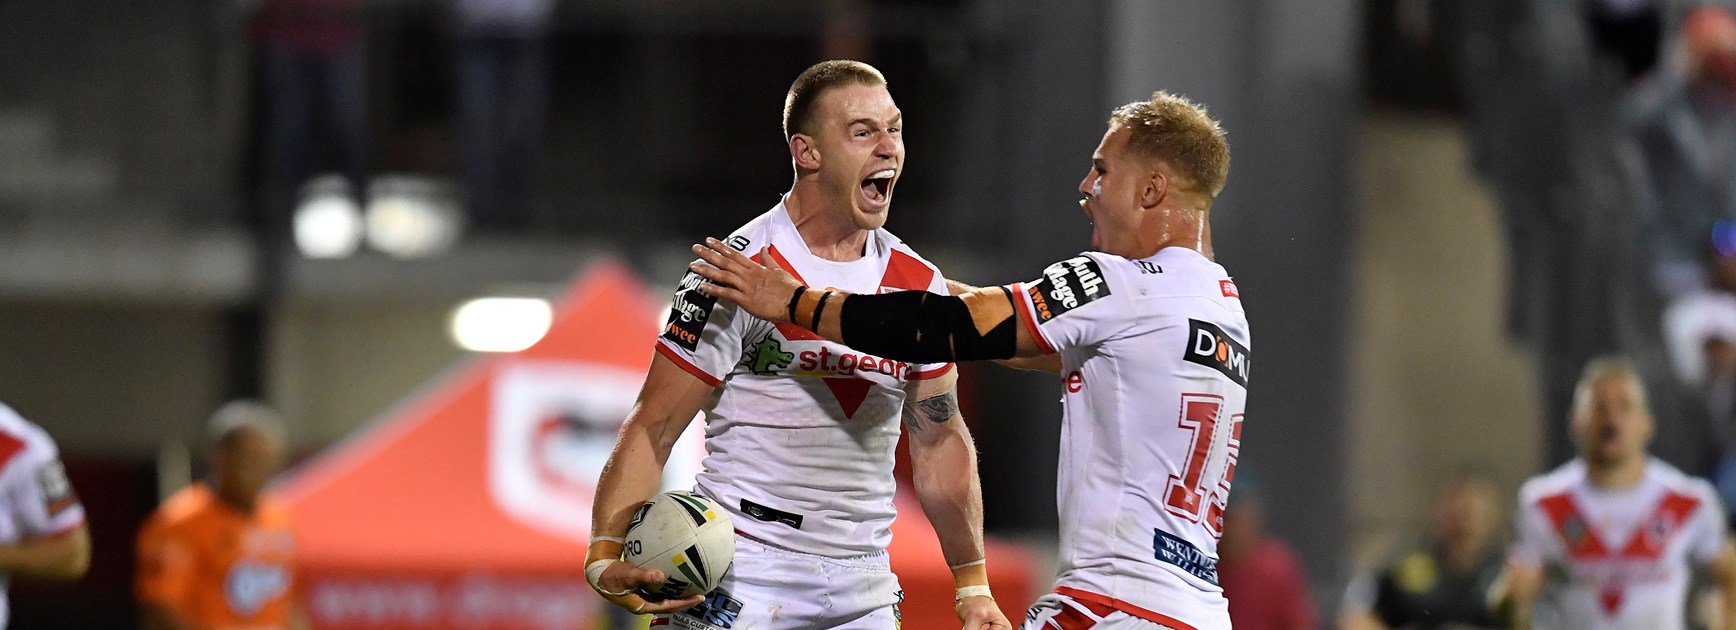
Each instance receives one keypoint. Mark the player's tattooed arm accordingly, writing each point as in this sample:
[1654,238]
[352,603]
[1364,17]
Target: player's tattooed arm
[919,415]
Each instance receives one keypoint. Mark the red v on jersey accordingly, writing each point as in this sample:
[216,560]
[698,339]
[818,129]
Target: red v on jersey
[1648,541]
[905,273]
[902,272]
[849,391]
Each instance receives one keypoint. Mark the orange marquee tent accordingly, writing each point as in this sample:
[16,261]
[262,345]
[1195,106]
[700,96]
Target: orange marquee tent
[468,505]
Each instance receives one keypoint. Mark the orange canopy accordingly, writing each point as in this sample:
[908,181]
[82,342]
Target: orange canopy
[468,505]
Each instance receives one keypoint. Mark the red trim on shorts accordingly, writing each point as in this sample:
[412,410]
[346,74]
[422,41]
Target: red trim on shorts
[1071,619]
[923,376]
[687,365]
[1022,301]
[1105,600]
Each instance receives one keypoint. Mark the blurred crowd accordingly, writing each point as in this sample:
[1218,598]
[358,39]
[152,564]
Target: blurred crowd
[311,58]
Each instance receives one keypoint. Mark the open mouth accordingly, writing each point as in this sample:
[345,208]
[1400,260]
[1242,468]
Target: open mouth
[877,188]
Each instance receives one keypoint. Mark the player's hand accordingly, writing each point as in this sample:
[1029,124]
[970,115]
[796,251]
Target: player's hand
[763,290]
[626,579]
[981,613]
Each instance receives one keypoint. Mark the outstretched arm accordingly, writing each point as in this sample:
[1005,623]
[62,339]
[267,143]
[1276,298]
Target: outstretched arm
[1050,363]
[914,326]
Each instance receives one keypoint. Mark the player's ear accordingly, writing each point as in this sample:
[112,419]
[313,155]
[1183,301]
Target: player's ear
[804,151]
[1155,189]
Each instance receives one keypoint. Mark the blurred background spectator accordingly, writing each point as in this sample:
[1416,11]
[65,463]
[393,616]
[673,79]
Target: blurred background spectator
[502,99]
[1683,117]
[1445,581]
[1261,575]
[313,79]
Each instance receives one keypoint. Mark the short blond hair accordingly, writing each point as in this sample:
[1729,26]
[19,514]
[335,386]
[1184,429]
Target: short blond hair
[1607,367]
[1175,130]
[813,82]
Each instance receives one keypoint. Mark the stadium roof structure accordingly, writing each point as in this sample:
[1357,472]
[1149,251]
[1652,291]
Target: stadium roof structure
[468,504]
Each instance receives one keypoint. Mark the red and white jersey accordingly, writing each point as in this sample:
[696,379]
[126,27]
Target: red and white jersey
[801,432]
[1155,357]
[1616,559]
[36,500]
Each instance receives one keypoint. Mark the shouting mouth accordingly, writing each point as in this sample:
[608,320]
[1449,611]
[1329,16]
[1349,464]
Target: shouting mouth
[877,188]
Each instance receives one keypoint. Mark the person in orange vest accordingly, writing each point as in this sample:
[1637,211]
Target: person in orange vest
[217,555]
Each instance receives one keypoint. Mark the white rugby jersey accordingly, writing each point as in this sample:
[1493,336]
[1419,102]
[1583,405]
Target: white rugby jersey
[801,432]
[1616,559]
[1154,378]
[36,500]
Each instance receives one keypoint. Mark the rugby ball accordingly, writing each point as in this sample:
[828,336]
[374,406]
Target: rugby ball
[686,536]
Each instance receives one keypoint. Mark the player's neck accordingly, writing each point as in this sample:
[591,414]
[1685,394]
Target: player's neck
[244,505]
[1462,553]
[1618,475]
[1178,227]
[827,235]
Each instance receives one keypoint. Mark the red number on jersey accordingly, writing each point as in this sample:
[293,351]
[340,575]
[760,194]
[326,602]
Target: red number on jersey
[1192,493]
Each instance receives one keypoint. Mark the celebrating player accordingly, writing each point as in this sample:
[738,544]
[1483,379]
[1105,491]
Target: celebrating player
[800,431]
[1609,539]
[1153,343]
[42,529]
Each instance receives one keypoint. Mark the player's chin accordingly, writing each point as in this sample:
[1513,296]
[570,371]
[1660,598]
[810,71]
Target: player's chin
[872,218]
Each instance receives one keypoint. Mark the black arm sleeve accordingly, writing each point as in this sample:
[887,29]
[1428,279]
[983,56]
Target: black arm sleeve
[921,327]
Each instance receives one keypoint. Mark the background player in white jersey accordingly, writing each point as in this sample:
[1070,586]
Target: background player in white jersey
[1153,345]
[801,432]
[42,528]
[1610,539]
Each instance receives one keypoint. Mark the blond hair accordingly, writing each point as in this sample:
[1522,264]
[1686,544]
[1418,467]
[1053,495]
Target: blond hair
[1177,131]
[1606,367]
[811,83]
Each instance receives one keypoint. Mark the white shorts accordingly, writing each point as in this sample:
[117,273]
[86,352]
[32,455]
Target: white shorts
[1055,611]
[767,588]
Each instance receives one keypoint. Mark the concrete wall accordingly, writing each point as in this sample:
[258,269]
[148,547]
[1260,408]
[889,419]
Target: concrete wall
[1435,384]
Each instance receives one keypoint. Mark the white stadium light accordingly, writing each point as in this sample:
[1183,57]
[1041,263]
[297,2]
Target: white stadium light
[411,217]
[501,324]
[328,223]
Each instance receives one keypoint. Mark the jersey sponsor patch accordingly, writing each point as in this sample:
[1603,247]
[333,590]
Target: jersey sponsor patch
[57,492]
[770,515]
[1228,287]
[1185,556]
[1207,345]
[688,313]
[1067,285]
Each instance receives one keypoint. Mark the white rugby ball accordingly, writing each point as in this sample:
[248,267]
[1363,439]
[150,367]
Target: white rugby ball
[686,536]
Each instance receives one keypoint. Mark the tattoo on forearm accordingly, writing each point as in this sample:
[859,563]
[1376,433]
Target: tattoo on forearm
[931,410]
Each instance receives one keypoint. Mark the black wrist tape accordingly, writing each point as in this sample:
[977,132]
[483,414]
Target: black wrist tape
[794,299]
[921,327]
[818,309]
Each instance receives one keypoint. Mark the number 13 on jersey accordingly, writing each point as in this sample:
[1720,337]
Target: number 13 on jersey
[1203,488]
